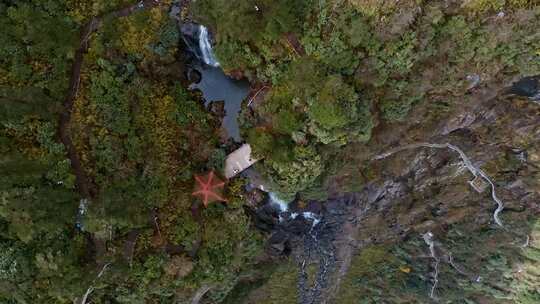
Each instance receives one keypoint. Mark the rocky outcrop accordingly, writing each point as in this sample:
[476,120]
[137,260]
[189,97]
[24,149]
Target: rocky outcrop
[481,166]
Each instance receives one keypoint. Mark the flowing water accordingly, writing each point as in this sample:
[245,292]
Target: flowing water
[206,47]
[303,227]
[214,84]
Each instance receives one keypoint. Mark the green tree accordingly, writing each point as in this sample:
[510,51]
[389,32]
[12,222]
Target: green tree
[297,174]
[337,114]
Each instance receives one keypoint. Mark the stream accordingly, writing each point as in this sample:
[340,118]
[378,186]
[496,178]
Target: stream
[217,86]
[306,231]
[214,84]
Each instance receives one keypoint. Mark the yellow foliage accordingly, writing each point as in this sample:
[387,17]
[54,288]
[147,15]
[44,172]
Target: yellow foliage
[136,36]
[82,10]
[84,116]
[26,138]
[479,6]
[160,128]
[405,269]
[373,8]
[4,79]
[40,67]
[7,79]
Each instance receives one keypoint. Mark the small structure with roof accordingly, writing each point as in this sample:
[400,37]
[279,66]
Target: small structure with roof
[239,161]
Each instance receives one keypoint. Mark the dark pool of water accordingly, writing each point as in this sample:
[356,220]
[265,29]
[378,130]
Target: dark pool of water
[216,86]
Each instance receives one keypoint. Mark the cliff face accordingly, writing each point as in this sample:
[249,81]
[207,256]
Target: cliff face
[442,203]
[423,227]
[421,190]
[405,134]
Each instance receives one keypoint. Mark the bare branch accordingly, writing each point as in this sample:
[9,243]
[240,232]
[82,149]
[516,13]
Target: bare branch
[157,226]
[200,293]
[256,94]
[91,288]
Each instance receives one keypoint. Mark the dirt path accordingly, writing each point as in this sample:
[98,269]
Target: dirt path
[85,186]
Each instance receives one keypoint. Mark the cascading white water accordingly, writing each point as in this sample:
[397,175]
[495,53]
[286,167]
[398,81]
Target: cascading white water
[311,216]
[213,82]
[283,205]
[206,47]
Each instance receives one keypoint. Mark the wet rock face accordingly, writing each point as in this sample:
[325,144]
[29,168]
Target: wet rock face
[286,227]
[198,40]
[430,191]
[420,190]
[207,76]
[266,218]
[527,87]
[194,76]
[190,34]
[312,234]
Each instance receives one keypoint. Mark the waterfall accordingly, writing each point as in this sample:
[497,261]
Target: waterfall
[311,216]
[198,42]
[283,205]
[206,47]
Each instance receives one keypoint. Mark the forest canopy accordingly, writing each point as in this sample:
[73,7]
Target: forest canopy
[102,136]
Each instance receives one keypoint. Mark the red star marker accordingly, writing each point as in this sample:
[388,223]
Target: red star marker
[209,187]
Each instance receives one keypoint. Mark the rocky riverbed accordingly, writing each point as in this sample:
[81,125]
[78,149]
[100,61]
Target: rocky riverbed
[416,189]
